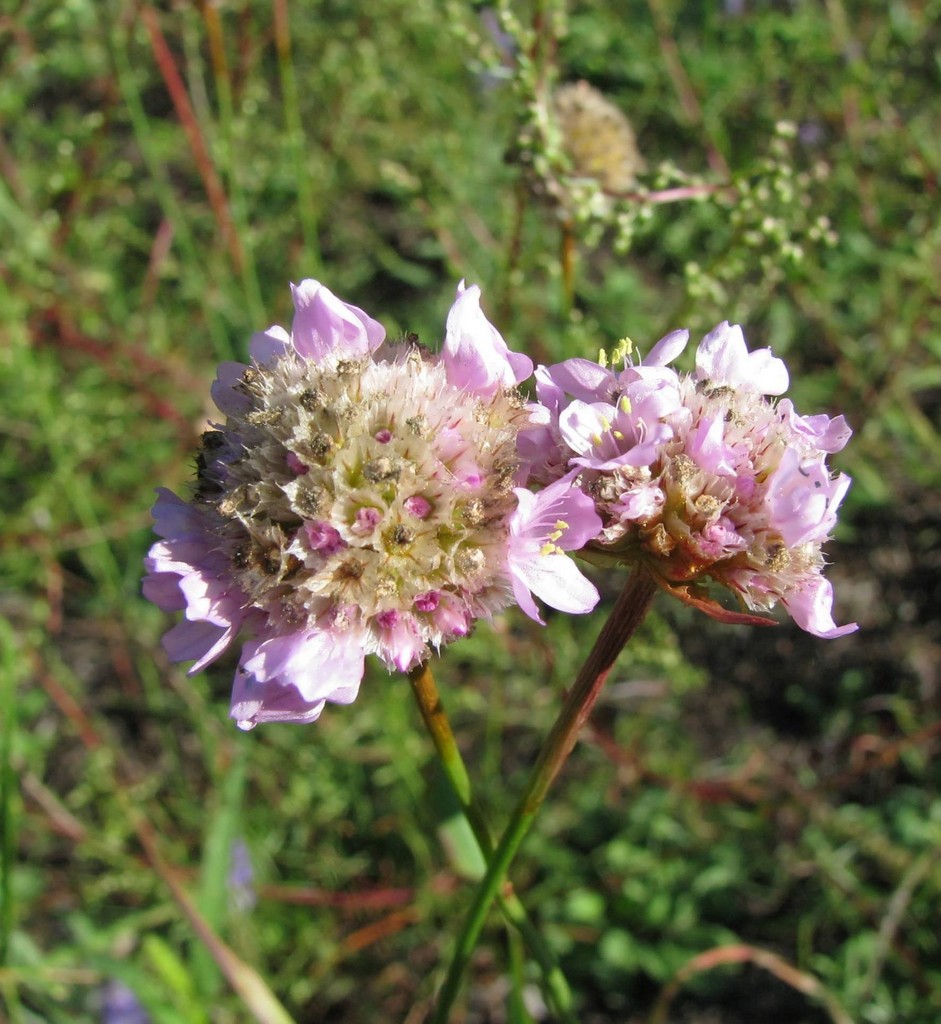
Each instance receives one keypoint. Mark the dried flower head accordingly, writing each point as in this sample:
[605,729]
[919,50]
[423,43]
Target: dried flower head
[597,137]
[360,498]
[700,477]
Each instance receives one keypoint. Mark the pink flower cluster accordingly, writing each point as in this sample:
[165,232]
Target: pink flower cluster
[360,498]
[366,497]
[699,477]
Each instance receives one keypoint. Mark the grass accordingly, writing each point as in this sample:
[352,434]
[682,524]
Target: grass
[762,801]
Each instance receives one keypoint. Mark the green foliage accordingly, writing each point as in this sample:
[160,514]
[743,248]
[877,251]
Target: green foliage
[735,786]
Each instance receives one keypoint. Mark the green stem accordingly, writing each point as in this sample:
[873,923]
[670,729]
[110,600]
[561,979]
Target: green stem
[628,613]
[439,728]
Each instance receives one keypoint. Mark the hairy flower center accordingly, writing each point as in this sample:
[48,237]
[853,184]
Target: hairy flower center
[346,491]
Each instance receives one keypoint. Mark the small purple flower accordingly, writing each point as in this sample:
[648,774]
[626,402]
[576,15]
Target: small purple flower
[241,878]
[119,1005]
[699,476]
[360,498]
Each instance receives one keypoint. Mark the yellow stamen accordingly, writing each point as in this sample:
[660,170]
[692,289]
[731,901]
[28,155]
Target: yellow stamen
[622,350]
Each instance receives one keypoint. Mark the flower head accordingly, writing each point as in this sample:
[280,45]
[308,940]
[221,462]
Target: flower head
[361,498]
[700,477]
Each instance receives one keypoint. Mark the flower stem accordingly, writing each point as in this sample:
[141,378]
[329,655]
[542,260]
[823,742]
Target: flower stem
[628,613]
[439,728]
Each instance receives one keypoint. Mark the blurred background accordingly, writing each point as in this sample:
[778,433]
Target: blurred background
[762,800]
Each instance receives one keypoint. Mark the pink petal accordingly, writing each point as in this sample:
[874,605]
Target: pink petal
[583,379]
[324,325]
[524,597]
[163,589]
[452,617]
[538,514]
[400,642]
[254,702]
[319,663]
[826,434]
[811,608]
[180,556]
[208,599]
[706,446]
[174,517]
[556,580]
[667,348]
[475,356]
[266,346]
[222,389]
[802,499]
[550,395]
[723,358]
[591,431]
[640,502]
[832,434]
[583,427]
[202,641]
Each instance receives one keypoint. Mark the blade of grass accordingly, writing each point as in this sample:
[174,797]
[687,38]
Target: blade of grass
[221,833]
[140,125]
[182,989]
[516,1005]
[194,136]
[244,980]
[77,488]
[295,139]
[222,78]
[8,675]
[685,91]
[746,954]
[891,921]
